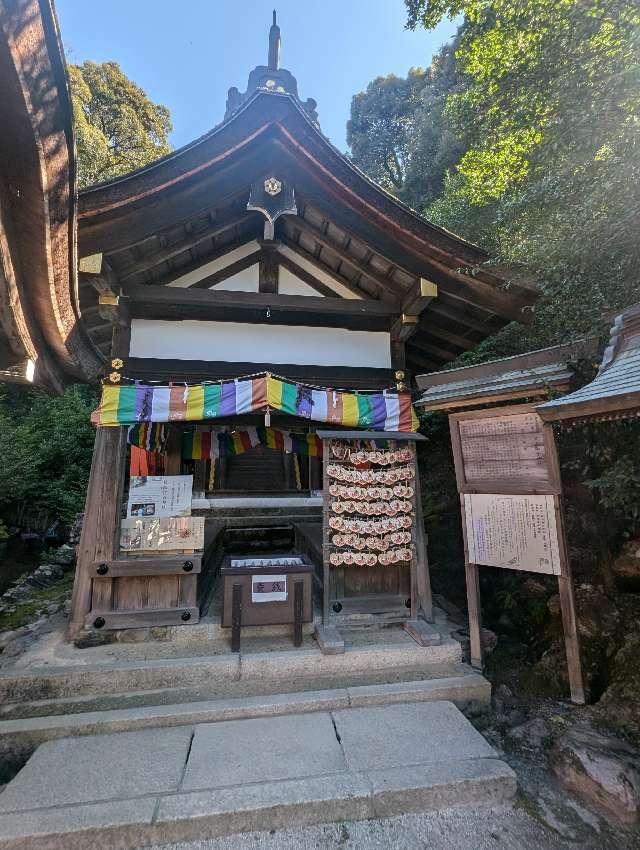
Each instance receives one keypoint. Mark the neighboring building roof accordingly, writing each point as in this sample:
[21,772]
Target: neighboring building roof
[41,335]
[615,391]
[535,373]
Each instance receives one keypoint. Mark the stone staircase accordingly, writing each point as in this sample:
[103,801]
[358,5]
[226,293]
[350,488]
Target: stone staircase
[59,690]
[207,707]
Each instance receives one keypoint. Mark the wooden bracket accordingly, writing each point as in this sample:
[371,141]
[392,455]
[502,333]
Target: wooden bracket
[419,296]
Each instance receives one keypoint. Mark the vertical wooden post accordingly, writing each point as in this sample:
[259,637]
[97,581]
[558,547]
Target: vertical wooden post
[236,617]
[474,607]
[423,580]
[568,611]
[325,535]
[298,588]
[173,454]
[99,540]
[472,577]
[565,579]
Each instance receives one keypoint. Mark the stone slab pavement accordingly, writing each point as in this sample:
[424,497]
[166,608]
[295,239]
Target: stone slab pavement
[134,788]
[479,828]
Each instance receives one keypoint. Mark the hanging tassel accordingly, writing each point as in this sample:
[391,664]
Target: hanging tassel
[267,418]
[296,469]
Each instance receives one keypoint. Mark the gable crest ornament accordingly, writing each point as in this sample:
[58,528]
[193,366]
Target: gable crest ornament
[272,186]
[273,197]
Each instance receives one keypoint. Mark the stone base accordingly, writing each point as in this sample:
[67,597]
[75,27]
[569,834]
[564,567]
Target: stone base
[422,632]
[329,640]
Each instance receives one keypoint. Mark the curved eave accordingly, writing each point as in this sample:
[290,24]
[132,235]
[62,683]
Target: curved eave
[265,111]
[39,315]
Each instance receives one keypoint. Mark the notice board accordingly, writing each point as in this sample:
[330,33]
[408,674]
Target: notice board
[508,477]
[514,532]
[506,451]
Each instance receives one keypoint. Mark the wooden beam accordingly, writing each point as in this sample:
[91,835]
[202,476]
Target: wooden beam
[153,369]
[227,272]
[429,329]
[443,354]
[98,541]
[268,269]
[364,268]
[177,303]
[465,316]
[194,265]
[421,294]
[159,257]
[324,267]
[404,327]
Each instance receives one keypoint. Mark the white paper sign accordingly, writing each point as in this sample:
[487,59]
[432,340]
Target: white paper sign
[514,532]
[268,588]
[157,496]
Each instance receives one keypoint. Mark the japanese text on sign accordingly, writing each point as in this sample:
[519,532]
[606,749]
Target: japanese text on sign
[268,588]
[514,532]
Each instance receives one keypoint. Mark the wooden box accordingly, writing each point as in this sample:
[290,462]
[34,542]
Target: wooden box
[267,589]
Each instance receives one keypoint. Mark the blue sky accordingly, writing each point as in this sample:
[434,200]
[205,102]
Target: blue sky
[186,55]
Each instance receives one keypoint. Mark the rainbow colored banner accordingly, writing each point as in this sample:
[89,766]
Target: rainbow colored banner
[134,403]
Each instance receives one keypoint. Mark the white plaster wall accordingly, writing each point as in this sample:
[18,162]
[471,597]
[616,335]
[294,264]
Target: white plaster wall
[244,281]
[249,343]
[290,284]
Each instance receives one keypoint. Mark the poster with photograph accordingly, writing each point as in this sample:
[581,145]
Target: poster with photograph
[516,532]
[158,496]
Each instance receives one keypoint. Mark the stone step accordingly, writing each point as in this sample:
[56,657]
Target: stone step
[139,788]
[20,737]
[200,671]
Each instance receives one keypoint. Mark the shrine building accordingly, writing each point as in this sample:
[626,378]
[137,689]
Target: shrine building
[252,302]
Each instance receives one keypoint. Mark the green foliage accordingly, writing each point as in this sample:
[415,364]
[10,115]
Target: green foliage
[45,444]
[397,134]
[117,127]
[530,146]
[381,129]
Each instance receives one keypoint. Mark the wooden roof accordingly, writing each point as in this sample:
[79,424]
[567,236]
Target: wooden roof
[615,391]
[41,337]
[190,208]
[530,375]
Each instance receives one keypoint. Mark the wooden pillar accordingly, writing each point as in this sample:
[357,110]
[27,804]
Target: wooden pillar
[423,579]
[268,268]
[173,452]
[99,538]
[568,611]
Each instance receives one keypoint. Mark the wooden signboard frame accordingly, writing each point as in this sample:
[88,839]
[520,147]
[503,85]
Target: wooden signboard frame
[540,458]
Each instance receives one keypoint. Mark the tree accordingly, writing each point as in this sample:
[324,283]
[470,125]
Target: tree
[550,176]
[117,127]
[380,130]
[46,444]
[398,134]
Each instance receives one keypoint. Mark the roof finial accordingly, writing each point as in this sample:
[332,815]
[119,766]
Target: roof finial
[274,45]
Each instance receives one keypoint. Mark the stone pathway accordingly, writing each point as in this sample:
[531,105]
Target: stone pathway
[132,789]
[479,828]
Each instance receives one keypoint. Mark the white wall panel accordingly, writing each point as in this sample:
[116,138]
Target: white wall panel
[249,343]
